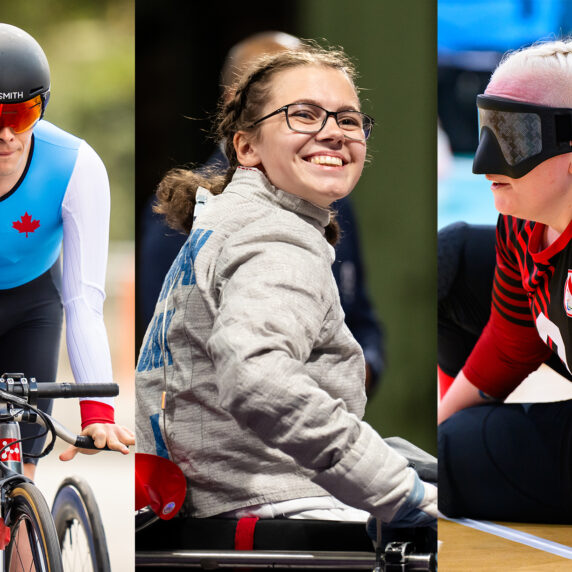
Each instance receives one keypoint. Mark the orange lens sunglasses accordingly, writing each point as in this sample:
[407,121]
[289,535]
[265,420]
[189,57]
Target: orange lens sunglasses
[21,116]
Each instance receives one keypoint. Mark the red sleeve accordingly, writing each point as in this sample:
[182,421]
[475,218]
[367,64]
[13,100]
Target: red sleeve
[509,347]
[504,355]
[95,412]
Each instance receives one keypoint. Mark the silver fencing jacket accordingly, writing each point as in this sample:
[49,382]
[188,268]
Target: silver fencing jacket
[263,381]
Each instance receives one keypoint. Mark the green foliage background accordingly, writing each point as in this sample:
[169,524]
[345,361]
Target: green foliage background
[394,45]
[90,46]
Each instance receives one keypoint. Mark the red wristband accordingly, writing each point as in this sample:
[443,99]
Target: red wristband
[95,412]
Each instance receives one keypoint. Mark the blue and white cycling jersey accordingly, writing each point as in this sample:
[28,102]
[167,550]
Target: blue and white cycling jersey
[31,224]
[63,199]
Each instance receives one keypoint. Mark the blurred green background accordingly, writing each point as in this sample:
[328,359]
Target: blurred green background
[180,50]
[90,47]
[394,44]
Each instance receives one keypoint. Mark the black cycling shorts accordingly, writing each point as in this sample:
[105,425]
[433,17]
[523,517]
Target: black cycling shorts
[30,331]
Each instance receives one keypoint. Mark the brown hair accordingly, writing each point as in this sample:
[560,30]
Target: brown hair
[176,192]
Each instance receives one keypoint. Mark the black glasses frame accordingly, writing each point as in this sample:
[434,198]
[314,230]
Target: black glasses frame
[368,120]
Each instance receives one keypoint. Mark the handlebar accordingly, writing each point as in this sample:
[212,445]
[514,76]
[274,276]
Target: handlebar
[81,441]
[67,390]
[86,442]
[17,389]
[17,384]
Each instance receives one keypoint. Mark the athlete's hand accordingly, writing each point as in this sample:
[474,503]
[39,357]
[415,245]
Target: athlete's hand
[116,437]
[419,509]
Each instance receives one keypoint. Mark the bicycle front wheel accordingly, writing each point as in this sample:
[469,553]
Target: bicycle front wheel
[33,543]
[79,528]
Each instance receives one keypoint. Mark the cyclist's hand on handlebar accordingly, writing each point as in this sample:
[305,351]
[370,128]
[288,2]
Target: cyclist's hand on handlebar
[116,437]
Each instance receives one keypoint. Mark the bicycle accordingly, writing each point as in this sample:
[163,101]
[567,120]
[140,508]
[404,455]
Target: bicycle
[79,528]
[71,536]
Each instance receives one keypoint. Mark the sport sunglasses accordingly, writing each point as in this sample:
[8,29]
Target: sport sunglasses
[21,116]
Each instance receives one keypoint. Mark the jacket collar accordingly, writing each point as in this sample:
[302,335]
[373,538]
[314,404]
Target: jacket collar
[251,183]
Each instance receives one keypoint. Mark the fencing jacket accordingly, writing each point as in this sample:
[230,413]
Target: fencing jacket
[263,381]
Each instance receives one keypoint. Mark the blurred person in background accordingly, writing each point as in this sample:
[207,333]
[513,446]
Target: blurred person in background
[54,191]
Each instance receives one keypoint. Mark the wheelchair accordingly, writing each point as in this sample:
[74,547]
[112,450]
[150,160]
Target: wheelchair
[166,539]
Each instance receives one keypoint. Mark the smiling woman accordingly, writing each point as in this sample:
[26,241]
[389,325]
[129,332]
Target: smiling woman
[248,377]
[320,164]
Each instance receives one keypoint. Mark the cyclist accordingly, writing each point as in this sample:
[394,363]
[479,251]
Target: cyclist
[53,190]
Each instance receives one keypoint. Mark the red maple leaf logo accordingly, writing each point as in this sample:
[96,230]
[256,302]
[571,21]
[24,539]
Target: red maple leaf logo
[26,224]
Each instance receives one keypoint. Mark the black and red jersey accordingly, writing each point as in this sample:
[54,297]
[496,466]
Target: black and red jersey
[532,287]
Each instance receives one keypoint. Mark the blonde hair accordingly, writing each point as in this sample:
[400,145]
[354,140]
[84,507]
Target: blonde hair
[548,64]
[176,192]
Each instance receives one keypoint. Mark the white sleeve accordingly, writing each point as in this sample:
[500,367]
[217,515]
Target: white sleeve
[85,213]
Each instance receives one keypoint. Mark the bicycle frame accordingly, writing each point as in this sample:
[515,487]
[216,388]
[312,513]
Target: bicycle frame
[18,397]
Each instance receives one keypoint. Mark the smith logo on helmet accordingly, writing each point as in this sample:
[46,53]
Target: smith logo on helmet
[11,95]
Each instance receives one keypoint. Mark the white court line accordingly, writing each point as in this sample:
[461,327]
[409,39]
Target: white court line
[515,536]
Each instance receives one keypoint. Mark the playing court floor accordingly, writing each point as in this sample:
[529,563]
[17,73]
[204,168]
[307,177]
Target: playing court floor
[533,547]
[478,545]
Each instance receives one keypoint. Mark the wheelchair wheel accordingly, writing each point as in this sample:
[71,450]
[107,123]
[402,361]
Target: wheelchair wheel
[33,543]
[79,528]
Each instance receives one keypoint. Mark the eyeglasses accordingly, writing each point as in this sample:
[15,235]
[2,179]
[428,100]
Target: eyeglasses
[311,118]
[21,116]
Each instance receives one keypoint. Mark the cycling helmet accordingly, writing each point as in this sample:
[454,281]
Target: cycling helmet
[24,69]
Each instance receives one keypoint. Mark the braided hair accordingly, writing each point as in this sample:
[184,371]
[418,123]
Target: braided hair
[549,66]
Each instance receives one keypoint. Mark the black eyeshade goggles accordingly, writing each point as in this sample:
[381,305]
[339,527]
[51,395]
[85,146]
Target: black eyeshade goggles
[515,137]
